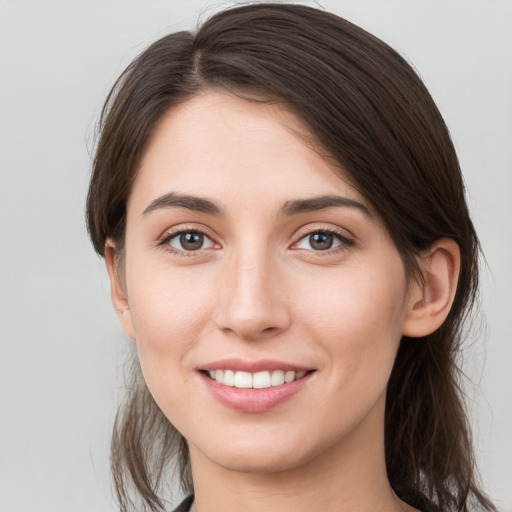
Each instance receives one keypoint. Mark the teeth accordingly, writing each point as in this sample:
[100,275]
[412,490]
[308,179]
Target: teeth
[258,380]
[261,380]
[242,379]
[289,376]
[229,378]
[277,378]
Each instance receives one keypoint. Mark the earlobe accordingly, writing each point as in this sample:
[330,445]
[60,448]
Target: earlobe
[118,290]
[430,301]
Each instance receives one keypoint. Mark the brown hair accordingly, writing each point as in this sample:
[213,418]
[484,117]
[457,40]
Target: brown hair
[373,116]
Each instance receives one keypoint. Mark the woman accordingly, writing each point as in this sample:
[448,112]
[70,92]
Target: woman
[283,219]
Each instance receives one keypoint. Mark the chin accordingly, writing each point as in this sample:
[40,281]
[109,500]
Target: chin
[267,455]
[259,463]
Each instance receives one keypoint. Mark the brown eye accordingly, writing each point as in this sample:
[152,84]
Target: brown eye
[190,241]
[321,241]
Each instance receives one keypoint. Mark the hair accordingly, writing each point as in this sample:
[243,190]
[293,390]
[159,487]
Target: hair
[371,113]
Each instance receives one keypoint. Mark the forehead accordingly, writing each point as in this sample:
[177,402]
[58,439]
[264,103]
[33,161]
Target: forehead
[217,144]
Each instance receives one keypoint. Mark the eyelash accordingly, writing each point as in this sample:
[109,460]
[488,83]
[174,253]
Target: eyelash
[166,239]
[345,242]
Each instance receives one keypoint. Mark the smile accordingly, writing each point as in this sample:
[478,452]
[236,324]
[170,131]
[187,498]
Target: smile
[258,380]
[254,387]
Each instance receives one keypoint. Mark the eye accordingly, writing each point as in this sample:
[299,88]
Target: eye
[321,240]
[188,241]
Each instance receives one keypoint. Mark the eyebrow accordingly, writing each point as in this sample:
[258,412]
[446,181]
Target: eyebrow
[194,203]
[292,207]
[314,204]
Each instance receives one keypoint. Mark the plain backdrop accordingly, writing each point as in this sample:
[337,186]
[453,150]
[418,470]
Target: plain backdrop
[62,352]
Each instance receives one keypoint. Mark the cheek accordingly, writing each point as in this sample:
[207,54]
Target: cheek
[358,317]
[358,299]
[169,311]
[358,325]
[169,307]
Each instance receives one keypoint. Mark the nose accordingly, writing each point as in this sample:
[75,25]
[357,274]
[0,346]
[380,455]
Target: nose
[252,303]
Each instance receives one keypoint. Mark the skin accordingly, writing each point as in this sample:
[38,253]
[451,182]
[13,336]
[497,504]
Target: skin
[258,289]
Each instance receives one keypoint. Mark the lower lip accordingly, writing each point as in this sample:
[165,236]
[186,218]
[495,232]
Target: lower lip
[254,400]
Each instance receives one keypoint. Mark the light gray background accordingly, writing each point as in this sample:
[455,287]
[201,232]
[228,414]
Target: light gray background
[61,349]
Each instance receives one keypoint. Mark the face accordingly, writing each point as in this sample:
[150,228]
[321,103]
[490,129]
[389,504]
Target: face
[265,296]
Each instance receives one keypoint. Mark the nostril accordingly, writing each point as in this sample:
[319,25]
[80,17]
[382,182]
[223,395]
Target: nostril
[249,331]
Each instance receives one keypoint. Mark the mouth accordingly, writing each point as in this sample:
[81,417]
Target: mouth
[254,386]
[258,380]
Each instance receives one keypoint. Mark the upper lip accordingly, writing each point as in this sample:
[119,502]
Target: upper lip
[253,366]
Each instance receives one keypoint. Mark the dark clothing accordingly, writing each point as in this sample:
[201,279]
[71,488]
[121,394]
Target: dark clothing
[185,504]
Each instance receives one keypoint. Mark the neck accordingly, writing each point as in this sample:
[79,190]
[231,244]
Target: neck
[346,477]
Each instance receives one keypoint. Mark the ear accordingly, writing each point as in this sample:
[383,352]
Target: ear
[118,289]
[430,301]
